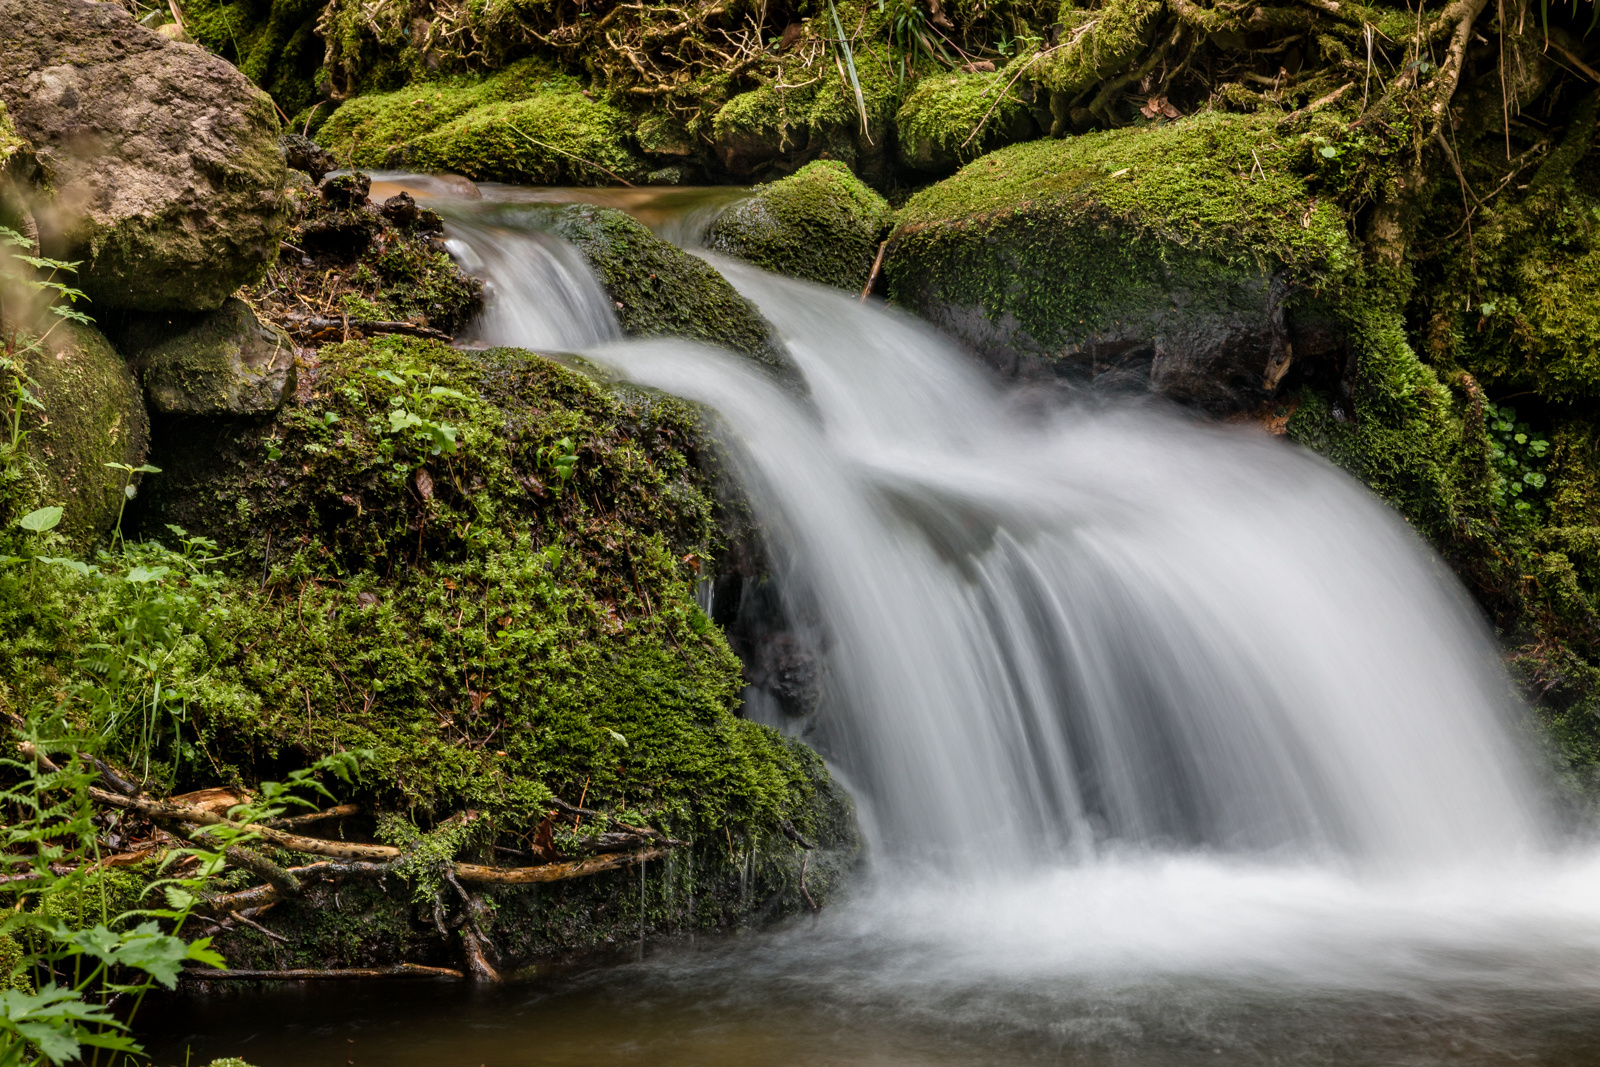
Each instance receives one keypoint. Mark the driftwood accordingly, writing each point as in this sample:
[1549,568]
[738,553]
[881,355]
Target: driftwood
[302,974]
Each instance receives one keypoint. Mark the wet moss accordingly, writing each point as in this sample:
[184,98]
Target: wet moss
[1050,246]
[526,123]
[1096,42]
[821,224]
[661,291]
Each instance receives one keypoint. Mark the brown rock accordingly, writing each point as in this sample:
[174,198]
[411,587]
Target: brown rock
[163,160]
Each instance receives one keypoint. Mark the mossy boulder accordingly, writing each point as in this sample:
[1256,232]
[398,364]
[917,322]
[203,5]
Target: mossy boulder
[951,119]
[223,362]
[821,224]
[527,123]
[1167,254]
[96,416]
[661,291]
[163,160]
[480,568]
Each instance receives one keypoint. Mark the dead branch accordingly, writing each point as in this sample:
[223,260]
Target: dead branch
[553,872]
[303,974]
[339,812]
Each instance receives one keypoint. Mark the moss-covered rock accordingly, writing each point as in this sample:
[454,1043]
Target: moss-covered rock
[951,119]
[480,569]
[527,123]
[1162,252]
[820,223]
[96,416]
[661,291]
[164,160]
[223,362]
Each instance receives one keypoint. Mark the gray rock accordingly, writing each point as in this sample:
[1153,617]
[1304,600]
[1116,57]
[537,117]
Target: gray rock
[223,362]
[162,161]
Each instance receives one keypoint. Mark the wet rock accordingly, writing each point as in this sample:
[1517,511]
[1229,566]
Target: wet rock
[1156,257]
[821,224]
[96,417]
[660,290]
[223,362]
[345,190]
[304,154]
[162,160]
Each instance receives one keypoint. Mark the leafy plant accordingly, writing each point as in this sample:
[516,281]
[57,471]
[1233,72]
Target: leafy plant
[419,410]
[1516,454]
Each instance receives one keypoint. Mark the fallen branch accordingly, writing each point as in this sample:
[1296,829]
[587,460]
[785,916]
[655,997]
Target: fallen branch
[303,974]
[877,265]
[312,324]
[563,151]
[553,872]
[316,816]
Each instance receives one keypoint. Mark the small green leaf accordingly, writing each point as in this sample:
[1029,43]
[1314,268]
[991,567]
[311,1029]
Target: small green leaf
[618,738]
[41,520]
[1329,152]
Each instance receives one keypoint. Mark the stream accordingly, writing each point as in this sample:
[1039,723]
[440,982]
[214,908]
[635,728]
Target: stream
[1172,745]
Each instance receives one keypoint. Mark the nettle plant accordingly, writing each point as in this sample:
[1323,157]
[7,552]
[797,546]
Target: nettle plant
[1516,453]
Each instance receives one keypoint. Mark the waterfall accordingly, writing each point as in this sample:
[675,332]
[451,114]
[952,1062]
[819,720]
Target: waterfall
[1057,627]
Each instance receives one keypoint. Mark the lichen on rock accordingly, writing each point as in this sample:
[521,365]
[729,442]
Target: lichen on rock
[223,362]
[820,223]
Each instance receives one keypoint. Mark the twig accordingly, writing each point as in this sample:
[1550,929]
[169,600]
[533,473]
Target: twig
[877,265]
[579,158]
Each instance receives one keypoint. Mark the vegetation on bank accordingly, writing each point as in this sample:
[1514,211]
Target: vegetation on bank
[457,591]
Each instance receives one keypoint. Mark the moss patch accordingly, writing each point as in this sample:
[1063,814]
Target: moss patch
[821,224]
[526,123]
[96,416]
[274,42]
[951,119]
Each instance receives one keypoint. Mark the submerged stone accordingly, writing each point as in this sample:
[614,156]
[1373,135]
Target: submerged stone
[661,291]
[821,224]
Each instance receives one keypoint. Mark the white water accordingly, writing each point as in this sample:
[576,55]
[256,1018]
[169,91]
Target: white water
[1128,699]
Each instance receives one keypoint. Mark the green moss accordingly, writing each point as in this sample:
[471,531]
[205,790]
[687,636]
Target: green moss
[950,119]
[1052,242]
[96,416]
[821,224]
[661,291]
[1097,42]
[525,123]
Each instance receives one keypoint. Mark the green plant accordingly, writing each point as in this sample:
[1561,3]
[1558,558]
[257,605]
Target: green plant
[419,410]
[1516,454]
[560,458]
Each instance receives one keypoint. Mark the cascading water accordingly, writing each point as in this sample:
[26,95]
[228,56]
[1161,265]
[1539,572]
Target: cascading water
[1056,628]
[1178,747]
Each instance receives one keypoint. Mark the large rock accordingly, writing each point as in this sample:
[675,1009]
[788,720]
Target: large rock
[821,224]
[1177,256]
[93,415]
[223,362]
[163,161]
